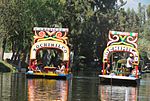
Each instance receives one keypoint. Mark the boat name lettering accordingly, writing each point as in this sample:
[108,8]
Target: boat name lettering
[120,48]
[55,45]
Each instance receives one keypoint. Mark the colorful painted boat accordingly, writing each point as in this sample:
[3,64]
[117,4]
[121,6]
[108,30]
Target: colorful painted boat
[49,51]
[119,80]
[49,75]
[119,46]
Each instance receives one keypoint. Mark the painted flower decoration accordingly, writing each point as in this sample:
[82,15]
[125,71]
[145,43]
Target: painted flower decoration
[42,34]
[59,35]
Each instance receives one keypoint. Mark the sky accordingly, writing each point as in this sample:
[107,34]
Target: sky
[134,3]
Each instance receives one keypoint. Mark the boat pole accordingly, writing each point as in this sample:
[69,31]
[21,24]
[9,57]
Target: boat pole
[67,67]
[136,68]
[103,67]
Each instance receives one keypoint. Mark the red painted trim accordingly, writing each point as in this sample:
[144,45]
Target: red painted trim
[136,68]
[103,67]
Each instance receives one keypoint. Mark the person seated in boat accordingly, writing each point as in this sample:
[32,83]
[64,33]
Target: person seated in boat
[108,70]
[112,73]
[33,66]
[119,67]
[130,61]
[40,65]
[61,68]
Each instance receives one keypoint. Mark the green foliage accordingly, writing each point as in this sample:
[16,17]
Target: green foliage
[144,39]
[137,23]
[88,21]
[148,11]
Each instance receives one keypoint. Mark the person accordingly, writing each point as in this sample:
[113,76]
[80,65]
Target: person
[33,65]
[129,63]
[40,65]
[108,69]
[61,68]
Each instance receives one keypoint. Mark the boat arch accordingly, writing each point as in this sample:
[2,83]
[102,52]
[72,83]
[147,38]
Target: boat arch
[120,48]
[50,44]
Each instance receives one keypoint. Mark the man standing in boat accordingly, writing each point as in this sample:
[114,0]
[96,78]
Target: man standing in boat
[130,61]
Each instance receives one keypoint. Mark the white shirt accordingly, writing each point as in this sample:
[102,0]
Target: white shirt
[129,62]
[62,68]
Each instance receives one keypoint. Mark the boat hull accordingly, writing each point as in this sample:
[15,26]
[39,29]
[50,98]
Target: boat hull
[49,76]
[146,71]
[119,80]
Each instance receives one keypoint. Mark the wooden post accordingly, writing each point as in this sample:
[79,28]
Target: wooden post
[136,68]
[0,50]
[103,67]
[67,67]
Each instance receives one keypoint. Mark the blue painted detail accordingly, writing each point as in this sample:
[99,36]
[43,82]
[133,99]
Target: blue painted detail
[29,72]
[61,75]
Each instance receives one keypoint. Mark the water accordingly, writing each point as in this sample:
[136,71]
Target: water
[84,86]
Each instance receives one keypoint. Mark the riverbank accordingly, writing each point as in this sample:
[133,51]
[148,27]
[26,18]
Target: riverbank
[6,67]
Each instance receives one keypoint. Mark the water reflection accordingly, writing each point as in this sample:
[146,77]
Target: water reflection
[47,90]
[117,93]
[144,88]
[84,89]
[122,93]
[13,87]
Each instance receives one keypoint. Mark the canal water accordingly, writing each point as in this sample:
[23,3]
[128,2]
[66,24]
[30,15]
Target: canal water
[84,86]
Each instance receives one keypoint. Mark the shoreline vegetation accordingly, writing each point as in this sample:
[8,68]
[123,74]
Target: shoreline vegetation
[6,67]
[88,21]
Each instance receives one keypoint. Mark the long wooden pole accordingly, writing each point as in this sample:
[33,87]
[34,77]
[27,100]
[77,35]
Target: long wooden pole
[103,67]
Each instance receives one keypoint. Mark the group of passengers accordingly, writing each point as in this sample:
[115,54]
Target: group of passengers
[38,66]
[128,66]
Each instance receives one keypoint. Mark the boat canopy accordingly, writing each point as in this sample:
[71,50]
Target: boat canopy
[121,42]
[50,44]
[120,48]
[50,38]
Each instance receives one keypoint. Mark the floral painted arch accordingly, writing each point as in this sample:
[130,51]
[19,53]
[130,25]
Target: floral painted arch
[120,48]
[50,44]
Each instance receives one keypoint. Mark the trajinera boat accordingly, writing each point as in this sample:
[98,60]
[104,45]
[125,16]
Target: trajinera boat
[121,60]
[50,54]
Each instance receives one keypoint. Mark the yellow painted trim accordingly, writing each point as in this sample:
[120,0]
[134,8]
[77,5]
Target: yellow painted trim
[47,74]
[41,44]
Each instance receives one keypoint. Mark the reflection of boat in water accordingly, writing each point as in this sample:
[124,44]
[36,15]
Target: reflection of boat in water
[49,51]
[116,70]
[13,87]
[117,93]
[48,90]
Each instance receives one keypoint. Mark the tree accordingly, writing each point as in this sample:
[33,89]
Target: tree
[19,17]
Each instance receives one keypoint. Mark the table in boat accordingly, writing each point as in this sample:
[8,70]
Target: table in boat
[47,68]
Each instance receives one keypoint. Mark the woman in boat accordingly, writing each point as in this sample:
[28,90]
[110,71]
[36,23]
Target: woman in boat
[61,68]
